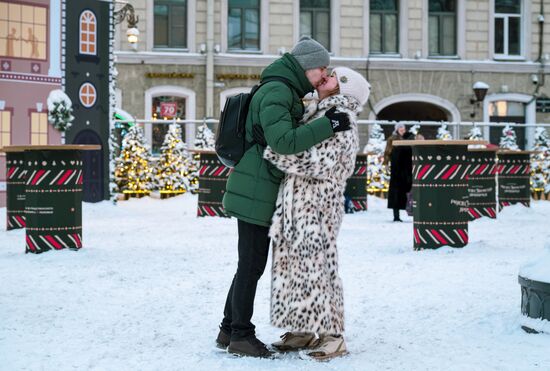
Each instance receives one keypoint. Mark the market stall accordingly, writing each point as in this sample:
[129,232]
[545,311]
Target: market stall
[440,192]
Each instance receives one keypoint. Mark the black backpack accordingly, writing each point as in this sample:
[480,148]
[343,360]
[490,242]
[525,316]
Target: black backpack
[231,143]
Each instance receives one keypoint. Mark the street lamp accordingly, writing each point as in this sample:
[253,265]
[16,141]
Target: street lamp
[133,37]
[480,90]
[128,12]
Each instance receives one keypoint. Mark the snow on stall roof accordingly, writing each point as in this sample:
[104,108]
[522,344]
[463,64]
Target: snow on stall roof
[147,292]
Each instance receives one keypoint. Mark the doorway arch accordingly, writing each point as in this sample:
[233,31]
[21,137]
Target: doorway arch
[93,170]
[416,107]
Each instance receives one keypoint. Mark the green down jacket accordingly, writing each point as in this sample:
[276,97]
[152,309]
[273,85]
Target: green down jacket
[253,185]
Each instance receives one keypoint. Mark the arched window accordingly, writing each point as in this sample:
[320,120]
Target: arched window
[87,95]
[88,33]
[153,99]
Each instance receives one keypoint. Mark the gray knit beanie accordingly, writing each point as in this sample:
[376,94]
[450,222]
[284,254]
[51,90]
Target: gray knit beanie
[310,54]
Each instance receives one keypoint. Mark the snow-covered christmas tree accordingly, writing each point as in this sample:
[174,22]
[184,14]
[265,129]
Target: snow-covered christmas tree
[414,129]
[132,167]
[118,132]
[376,142]
[171,174]
[475,133]
[377,173]
[193,175]
[443,133]
[114,150]
[204,139]
[540,162]
[508,140]
[60,110]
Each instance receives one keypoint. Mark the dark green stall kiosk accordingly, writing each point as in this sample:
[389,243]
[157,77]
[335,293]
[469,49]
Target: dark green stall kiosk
[356,185]
[15,188]
[212,180]
[440,192]
[53,195]
[482,185]
[514,177]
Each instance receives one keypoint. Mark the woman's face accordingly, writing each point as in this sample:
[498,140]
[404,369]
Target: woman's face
[316,76]
[402,131]
[328,86]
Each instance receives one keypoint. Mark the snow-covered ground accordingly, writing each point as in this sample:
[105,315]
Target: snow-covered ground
[147,292]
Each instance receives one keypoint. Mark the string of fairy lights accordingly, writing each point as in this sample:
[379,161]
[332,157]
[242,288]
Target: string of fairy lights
[136,174]
[377,175]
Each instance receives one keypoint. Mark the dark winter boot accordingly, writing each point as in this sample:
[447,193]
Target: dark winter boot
[223,339]
[249,347]
[396,217]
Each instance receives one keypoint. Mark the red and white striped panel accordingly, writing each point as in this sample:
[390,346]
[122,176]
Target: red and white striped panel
[440,237]
[37,243]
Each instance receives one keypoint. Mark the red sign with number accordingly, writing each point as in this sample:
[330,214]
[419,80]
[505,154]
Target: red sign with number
[168,109]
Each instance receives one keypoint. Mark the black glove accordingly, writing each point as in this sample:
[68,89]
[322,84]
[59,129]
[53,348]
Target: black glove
[338,120]
[258,135]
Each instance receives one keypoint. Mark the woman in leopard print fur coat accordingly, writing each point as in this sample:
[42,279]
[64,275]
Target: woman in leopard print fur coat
[307,296]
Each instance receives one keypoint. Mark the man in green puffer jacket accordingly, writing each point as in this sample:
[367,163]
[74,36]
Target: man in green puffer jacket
[253,185]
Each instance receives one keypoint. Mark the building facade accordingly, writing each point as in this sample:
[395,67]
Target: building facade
[30,67]
[421,57]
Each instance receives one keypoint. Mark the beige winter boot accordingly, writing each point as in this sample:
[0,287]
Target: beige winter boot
[292,341]
[329,347]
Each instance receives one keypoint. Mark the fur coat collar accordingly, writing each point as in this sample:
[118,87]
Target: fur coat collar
[343,101]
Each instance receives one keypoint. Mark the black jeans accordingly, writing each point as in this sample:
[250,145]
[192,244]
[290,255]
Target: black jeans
[239,306]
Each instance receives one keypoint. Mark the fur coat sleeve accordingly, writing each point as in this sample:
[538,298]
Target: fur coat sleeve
[319,161]
[316,162]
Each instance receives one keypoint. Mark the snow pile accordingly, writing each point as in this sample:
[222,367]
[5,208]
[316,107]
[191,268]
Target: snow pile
[147,293]
[538,269]
[537,324]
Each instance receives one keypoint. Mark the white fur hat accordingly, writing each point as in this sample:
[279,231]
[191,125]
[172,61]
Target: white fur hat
[352,83]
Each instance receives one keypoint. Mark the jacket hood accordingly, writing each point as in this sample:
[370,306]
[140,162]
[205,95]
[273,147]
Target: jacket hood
[287,67]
